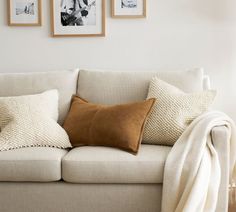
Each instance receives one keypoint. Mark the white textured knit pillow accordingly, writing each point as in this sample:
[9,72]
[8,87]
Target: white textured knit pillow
[173,111]
[31,121]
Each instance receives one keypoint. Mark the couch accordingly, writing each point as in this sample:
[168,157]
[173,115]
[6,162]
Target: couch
[99,179]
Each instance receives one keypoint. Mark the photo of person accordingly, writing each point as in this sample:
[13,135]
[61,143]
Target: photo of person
[78,12]
[128,3]
[24,13]
[25,8]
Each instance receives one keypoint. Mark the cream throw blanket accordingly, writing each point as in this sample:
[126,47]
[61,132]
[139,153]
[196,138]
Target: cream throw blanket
[192,171]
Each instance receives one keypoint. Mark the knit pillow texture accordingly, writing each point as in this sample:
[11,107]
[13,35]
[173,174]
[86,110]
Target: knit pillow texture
[31,121]
[173,111]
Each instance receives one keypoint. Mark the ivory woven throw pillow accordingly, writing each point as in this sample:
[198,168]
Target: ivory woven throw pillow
[31,120]
[173,111]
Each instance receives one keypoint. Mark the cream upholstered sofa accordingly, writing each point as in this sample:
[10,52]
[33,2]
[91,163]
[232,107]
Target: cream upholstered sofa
[98,179]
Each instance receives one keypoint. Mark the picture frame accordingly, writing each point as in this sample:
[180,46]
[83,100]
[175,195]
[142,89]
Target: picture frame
[85,19]
[24,12]
[128,8]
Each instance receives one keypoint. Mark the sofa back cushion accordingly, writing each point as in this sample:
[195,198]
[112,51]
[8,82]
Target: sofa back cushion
[115,87]
[17,84]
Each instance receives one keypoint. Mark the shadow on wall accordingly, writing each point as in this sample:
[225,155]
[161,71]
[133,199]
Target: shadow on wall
[213,10]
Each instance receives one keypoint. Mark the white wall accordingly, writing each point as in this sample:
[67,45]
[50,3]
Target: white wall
[175,35]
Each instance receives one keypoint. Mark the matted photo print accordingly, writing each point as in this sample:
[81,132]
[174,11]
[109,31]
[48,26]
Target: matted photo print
[24,12]
[78,17]
[128,8]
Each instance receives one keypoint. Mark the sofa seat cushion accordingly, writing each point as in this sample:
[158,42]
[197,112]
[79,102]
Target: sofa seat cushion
[109,165]
[38,164]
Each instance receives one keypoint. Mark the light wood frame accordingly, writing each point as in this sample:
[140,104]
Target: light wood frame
[103,23]
[113,15]
[39,23]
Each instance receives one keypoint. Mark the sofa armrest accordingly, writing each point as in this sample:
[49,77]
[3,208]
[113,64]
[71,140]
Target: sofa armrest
[221,141]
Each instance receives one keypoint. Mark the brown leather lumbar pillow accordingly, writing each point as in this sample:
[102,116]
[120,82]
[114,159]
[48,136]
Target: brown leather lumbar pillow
[119,126]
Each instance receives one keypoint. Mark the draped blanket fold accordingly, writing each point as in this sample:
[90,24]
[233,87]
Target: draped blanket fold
[192,171]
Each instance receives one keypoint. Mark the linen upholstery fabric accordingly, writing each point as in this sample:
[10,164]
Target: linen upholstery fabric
[206,83]
[110,165]
[121,87]
[18,84]
[173,112]
[31,120]
[68,197]
[41,164]
[118,126]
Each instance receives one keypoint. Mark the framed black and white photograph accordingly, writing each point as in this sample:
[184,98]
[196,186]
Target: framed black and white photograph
[128,8]
[24,12]
[78,17]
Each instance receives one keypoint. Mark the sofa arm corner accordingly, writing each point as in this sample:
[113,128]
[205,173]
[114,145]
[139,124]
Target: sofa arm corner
[220,132]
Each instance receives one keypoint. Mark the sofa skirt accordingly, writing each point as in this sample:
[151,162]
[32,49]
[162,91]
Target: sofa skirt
[68,197]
